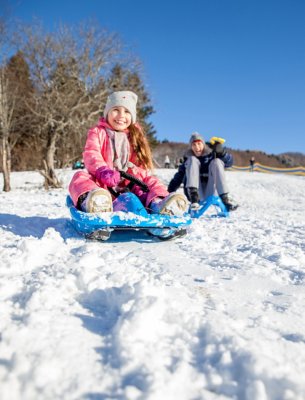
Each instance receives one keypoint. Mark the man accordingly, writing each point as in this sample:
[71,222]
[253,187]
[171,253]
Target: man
[203,172]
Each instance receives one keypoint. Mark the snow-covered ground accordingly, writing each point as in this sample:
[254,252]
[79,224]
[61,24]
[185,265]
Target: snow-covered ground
[217,314]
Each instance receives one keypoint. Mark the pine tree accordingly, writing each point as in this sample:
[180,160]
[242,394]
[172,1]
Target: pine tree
[22,136]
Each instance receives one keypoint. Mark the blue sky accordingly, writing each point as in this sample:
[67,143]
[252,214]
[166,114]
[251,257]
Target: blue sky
[229,68]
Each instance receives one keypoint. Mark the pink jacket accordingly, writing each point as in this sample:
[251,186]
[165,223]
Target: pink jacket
[97,153]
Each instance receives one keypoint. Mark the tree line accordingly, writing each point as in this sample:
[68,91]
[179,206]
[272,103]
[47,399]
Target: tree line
[53,87]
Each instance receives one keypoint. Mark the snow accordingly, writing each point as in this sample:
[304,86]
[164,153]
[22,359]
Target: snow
[217,314]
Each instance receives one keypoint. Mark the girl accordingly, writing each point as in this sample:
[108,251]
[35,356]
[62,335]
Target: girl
[117,143]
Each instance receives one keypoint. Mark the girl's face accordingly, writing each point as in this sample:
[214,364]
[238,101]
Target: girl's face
[197,147]
[119,118]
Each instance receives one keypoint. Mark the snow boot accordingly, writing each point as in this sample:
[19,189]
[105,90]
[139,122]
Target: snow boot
[97,201]
[230,204]
[173,204]
[193,195]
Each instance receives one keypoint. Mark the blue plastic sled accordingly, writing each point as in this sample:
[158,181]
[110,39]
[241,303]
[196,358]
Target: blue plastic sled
[212,207]
[129,214]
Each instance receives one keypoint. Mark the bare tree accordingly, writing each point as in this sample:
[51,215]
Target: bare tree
[8,101]
[6,113]
[68,70]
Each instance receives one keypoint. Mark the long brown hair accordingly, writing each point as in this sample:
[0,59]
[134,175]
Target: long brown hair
[139,143]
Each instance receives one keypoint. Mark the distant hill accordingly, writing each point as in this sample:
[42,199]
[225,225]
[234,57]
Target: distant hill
[176,150]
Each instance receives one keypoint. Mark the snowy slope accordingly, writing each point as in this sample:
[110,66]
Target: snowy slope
[218,314]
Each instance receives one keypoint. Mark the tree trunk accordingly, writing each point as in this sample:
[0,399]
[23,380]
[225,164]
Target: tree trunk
[50,178]
[6,164]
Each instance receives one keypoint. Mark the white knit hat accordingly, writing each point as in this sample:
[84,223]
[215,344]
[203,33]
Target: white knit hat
[125,99]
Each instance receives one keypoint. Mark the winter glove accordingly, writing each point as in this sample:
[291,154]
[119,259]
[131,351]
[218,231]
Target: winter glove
[219,150]
[107,176]
[214,140]
[216,144]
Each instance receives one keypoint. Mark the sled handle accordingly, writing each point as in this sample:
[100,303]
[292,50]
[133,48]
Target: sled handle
[135,180]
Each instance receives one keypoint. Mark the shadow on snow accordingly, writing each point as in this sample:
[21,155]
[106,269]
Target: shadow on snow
[36,226]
